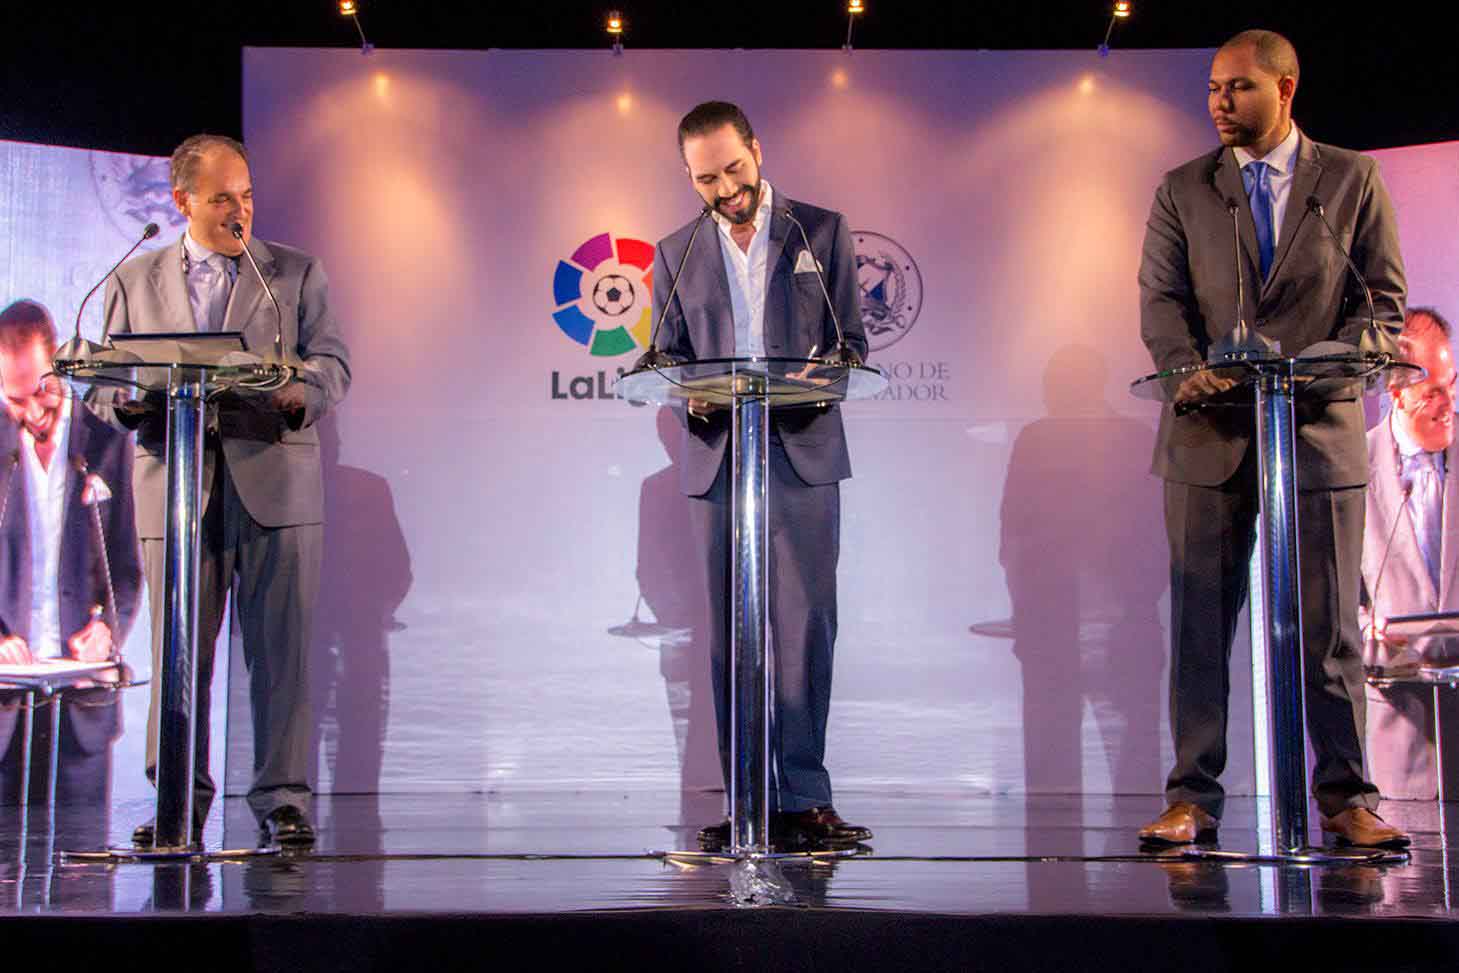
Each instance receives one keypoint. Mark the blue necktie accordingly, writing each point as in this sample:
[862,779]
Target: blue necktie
[1259,191]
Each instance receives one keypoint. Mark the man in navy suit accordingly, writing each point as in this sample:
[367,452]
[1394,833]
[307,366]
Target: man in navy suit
[749,289]
[56,599]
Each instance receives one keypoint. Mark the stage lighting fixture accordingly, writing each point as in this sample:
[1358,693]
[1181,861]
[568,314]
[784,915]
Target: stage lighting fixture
[351,9]
[615,26]
[853,8]
[1121,10]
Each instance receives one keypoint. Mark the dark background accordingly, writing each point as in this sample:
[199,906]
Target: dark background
[139,77]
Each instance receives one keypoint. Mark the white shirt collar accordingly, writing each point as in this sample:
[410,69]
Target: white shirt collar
[762,212]
[1407,448]
[195,252]
[1281,158]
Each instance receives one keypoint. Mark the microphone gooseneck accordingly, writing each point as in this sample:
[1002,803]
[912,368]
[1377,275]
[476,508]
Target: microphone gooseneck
[9,484]
[1241,341]
[842,353]
[1383,564]
[148,232]
[654,357]
[1375,340]
[236,229]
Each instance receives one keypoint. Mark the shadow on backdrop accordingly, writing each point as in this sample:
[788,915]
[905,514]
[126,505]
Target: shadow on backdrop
[1084,556]
[365,577]
[672,583]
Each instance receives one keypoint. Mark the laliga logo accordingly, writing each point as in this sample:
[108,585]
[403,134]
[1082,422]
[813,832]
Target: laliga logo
[604,293]
[604,299]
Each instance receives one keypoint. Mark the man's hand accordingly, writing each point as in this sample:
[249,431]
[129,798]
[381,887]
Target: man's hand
[291,401]
[91,644]
[1202,385]
[701,409]
[14,651]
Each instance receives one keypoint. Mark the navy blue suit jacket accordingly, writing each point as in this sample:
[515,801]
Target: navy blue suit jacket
[700,324]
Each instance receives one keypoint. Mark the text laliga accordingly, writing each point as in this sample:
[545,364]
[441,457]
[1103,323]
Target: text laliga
[594,386]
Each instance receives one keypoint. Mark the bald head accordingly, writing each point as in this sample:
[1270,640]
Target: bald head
[1274,53]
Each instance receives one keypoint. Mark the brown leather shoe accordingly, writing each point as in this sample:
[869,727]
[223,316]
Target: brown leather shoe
[1181,824]
[1360,826]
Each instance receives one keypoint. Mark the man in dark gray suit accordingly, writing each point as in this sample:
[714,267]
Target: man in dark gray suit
[263,503]
[1298,292]
[66,590]
[749,288]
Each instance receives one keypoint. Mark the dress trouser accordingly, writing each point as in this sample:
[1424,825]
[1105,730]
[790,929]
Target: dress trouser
[273,574]
[1212,532]
[805,530]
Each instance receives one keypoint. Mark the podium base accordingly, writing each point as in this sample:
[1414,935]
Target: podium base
[1302,856]
[180,853]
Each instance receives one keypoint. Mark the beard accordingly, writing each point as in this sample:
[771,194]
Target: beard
[753,206]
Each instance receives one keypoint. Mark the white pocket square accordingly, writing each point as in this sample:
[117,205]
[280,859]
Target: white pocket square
[805,263]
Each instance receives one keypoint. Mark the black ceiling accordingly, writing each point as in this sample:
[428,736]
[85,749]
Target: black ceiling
[138,77]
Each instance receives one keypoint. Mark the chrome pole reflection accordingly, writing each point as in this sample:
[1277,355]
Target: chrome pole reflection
[1281,638]
[177,673]
[749,669]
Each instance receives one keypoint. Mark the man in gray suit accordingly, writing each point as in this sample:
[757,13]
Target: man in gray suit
[1298,293]
[1411,557]
[749,288]
[263,497]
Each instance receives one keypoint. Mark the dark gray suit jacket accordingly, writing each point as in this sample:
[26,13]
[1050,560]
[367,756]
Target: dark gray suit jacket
[278,477]
[108,454]
[1188,301]
[700,324]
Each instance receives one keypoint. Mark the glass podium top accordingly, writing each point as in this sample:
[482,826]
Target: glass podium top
[780,381]
[1322,371]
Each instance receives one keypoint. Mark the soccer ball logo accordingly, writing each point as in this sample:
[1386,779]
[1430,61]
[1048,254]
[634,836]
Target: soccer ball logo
[613,294]
[602,294]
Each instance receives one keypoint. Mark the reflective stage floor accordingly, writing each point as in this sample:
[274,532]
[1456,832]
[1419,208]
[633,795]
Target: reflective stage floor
[1048,878]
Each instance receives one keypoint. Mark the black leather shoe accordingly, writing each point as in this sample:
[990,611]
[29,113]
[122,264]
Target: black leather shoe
[715,837]
[820,826]
[143,834]
[287,826]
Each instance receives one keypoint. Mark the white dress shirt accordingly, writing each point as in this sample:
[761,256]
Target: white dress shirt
[209,277]
[746,273]
[1281,164]
[45,516]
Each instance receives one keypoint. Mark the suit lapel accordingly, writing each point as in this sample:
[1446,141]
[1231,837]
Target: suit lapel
[247,294]
[1307,171]
[707,264]
[1228,183]
[171,288]
[784,240]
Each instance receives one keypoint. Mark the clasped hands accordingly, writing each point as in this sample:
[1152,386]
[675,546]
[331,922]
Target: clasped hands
[92,643]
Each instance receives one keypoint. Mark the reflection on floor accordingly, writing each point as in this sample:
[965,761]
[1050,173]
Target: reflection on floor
[565,852]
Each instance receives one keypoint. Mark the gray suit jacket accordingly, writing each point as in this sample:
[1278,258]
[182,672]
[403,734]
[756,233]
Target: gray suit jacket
[277,475]
[1188,301]
[1400,720]
[700,324]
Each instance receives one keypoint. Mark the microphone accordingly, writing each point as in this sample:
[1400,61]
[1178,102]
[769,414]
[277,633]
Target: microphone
[94,492]
[236,229]
[1375,340]
[1373,636]
[1240,341]
[76,349]
[841,354]
[654,358]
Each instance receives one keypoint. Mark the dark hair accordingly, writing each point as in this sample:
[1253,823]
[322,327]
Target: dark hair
[1413,322]
[1274,52]
[188,156]
[711,116]
[24,323]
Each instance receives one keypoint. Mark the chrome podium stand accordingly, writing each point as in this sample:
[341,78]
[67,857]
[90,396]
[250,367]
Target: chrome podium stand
[188,370]
[750,388]
[1277,381]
